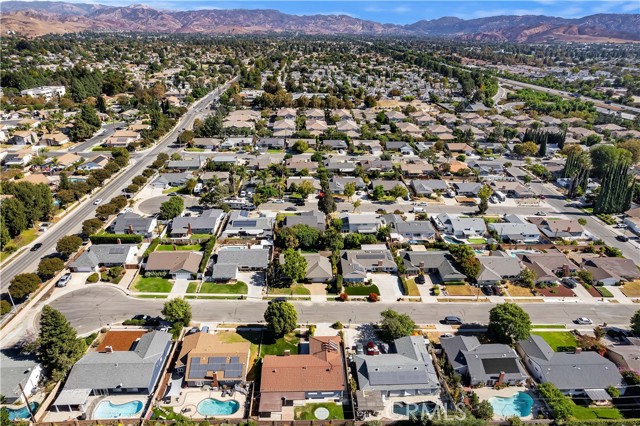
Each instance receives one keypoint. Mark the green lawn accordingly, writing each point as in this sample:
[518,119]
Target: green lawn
[294,290]
[276,346]
[194,149]
[170,247]
[604,292]
[25,237]
[216,288]
[548,326]
[172,189]
[200,236]
[412,287]
[477,240]
[590,413]
[557,339]
[152,296]
[152,285]
[193,286]
[306,412]
[362,290]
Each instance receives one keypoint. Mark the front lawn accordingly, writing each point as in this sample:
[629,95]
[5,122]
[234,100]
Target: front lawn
[362,290]
[631,289]
[171,247]
[152,285]
[294,290]
[21,240]
[172,189]
[591,413]
[218,288]
[193,286]
[272,345]
[411,288]
[563,340]
[518,291]
[463,290]
[604,292]
[307,411]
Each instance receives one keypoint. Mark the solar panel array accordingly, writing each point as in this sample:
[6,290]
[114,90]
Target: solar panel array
[244,223]
[231,370]
[377,378]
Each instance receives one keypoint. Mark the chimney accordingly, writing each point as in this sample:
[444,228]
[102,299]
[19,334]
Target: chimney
[189,231]
[578,351]
[500,379]
[118,241]
[287,352]
[131,228]
[380,263]
[421,265]
[565,270]
[108,349]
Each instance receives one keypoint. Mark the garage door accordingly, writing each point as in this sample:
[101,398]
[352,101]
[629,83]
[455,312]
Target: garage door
[183,276]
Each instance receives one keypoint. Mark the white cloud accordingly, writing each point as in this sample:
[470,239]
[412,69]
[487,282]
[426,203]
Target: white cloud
[631,7]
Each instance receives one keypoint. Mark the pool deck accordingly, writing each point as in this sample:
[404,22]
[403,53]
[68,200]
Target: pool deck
[487,393]
[189,399]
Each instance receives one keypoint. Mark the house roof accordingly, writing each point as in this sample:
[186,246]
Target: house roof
[208,220]
[428,185]
[355,262]
[495,267]
[203,354]
[246,258]
[318,266]
[100,254]
[15,369]
[439,260]
[612,267]
[313,218]
[120,340]
[132,221]
[174,261]
[569,370]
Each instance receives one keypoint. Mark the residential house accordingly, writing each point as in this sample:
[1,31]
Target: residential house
[287,113]
[337,183]
[105,255]
[316,127]
[192,163]
[416,168]
[413,230]
[407,370]
[340,166]
[484,364]
[94,163]
[459,148]
[512,189]
[334,144]
[113,372]
[314,219]
[426,187]
[207,143]
[568,229]
[21,374]
[405,148]
[19,158]
[439,263]
[297,180]
[284,128]
[497,267]
[611,270]
[68,160]
[229,261]
[241,225]
[373,146]
[361,223]
[319,268]
[169,180]
[626,357]
[23,137]
[208,360]
[207,223]
[236,142]
[486,167]
[349,127]
[179,264]
[314,114]
[296,165]
[54,139]
[467,189]
[548,266]
[133,223]
[463,227]
[518,232]
[387,184]
[356,264]
[270,143]
[379,165]
[395,116]
[122,138]
[410,129]
[574,373]
[318,375]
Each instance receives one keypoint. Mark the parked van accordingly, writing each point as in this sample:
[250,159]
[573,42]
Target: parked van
[418,209]
[198,188]
[500,196]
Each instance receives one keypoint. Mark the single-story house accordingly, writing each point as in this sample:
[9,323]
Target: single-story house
[355,264]
[405,148]
[241,225]
[132,223]
[105,255]
[168,180]
[207,223]
[95,163]
[611,270]
[362,223]
[548,266]
[230,260]
[334,144]
[496,267]
[387,184]
[312,218]
[516,232]
[426,187]
[431,262]
[460,226]
[407,370]
[467,189]
[413,230]
[20,374]
[319,268]
[484,364]
[337,183]
[180,264]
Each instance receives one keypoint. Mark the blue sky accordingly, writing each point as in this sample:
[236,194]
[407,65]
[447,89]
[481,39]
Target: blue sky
[403,11]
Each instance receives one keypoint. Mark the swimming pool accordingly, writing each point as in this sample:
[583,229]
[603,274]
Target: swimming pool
[414,410]
[22,413]
[452,240]
[213,407]
[519,405]
[109,410]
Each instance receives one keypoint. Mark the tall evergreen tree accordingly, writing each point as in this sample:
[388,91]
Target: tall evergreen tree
[59,347]
[616,191]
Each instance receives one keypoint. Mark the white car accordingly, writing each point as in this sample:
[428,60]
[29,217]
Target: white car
[584,320]
[621,226]
[279,201]
[98,201]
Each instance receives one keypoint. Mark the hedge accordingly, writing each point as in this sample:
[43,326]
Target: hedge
[454,283]
[113,238]
[208,249]
[152,247]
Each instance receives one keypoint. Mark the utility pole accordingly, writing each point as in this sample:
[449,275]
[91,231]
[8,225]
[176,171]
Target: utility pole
[26,398]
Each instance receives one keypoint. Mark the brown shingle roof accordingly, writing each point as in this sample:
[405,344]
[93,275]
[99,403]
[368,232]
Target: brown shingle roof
[174,261]
[120,340]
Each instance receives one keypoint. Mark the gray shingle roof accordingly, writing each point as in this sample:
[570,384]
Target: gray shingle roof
[101,254]
[132,221]
[14,369]
[205,222]
[244,258]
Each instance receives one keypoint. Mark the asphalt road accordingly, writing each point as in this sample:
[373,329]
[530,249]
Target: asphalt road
[596,102]
[72,224]
[89,309]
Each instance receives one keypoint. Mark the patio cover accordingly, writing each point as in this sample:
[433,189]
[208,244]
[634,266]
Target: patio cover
[369,401]
[174,387]
[72,397]
[598,394]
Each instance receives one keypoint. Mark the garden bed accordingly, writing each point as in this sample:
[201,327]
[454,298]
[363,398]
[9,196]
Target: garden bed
[557,291]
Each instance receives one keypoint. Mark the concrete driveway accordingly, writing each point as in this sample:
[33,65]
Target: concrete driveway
[255,282]
[389,285]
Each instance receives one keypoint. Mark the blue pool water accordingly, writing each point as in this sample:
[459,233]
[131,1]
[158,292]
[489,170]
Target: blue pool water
[22,413]
[213,407]
[519,405]
[108,410]
[452,240]
[414,410]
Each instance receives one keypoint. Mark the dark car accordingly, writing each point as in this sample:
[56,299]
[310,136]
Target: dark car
[622,238]
[452,320]
[420,279]
[570,282]
[142,317]
[290,209]
[36,247]
[487,290]
[496,290]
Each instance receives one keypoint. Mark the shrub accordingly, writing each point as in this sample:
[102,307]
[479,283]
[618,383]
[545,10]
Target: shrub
[5,307]
[613,391]
[113,239]
[133,322]
[373,297]
[208,249]
[10,248]
[93,278]
[104,276]
[312,329]
[344,297]
[150,274]
[337,325]
[152,247]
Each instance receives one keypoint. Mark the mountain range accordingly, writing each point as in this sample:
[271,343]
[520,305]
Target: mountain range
[36,18]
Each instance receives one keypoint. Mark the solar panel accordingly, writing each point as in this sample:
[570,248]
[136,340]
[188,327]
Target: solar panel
[244,223]
[234,360]
[195,361]
[116,250]
[216,359]
[397,377]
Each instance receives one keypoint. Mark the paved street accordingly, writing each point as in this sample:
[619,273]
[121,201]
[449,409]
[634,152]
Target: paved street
[91,308]
[72,224]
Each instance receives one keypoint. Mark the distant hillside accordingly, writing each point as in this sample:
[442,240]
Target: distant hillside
[42,17]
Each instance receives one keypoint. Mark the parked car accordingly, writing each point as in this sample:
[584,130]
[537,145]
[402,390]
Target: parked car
[193,330]
[36,247]
[570,282]
[541,214]
[359,349]
[487,290]
[64,280]
[452,320]
[372,349]
[290,209]
[97,201]
[622,238]
[584,321]
[142,317]
[205,329]
[621,226]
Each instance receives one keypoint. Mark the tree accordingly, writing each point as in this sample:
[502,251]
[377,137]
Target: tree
[23,284]
[300,146]
[526,149]
[467,259]
[349,190]
[105,210]
[307,236]
[378,193]
[616,191]
[59,348]
[603,155]
[633,146]
[295,265]
[171,208]
[326,204]
[49,267]
[509,323]
[5,238]
[305,188]
[395,325]
[186,137]
[484,193]
[177,311]
[68,245]
[399,191]
[528,277]
[561,406]
[91,226]
[14,216]
[635,322]
[281,317]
